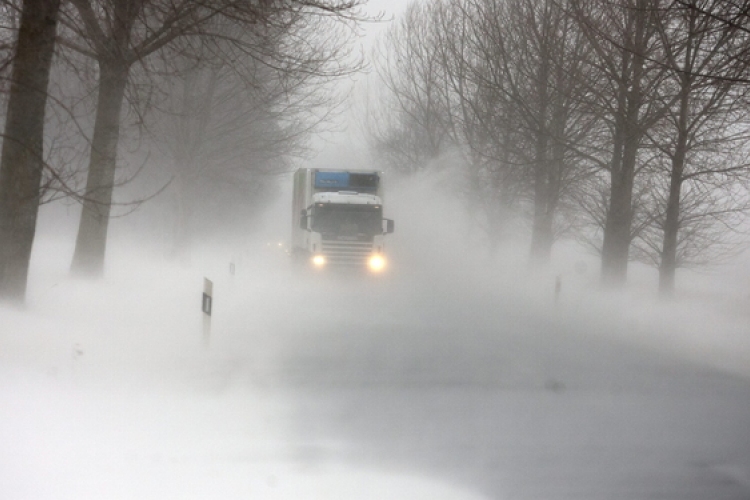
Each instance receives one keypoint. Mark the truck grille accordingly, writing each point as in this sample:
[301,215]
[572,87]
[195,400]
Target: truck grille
[351,253]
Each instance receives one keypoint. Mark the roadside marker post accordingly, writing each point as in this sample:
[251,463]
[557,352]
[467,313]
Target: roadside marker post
[206,307]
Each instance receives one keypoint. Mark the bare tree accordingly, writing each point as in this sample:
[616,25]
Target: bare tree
[704,118]
[21,163]
[499,82]
[628,114]
[231,128]
[410,128]
[540,52]
[119,34]
[514,70]
[480,118]
[626,91]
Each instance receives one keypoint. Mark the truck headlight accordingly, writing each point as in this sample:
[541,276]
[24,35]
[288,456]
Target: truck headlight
[376,263]
[319,260]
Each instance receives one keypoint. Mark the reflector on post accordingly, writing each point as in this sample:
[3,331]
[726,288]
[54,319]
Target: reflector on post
[206,307]
[208,290]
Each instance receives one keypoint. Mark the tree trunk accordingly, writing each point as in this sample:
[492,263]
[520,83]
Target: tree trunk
[21,162]
[541,230]
[91,243]
[668,264]
[499,207]
[617,230]
[616,245]
[543,236]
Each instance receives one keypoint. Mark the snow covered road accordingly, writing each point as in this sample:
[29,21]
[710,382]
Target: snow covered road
[406,388]
[516,405]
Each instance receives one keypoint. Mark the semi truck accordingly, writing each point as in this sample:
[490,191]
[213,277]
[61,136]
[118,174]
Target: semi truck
[337,219]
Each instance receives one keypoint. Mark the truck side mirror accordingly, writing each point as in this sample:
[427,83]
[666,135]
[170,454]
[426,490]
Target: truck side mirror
[388,225]
[303,221]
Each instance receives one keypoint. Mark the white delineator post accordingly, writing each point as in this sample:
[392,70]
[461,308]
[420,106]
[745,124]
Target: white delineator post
[206,306]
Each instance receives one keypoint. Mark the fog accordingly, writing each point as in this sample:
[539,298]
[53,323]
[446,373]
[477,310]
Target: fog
[457,374]
[460,372]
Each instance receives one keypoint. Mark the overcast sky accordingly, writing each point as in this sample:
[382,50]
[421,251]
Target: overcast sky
[388,6]
[343,149]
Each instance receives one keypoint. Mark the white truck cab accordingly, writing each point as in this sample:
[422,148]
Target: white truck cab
[337,219]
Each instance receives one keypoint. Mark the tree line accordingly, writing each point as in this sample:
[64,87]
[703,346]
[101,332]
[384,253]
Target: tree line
[229,90]
[621,123]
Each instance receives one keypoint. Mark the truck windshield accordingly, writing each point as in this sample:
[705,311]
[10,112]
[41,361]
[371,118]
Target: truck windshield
[347,220]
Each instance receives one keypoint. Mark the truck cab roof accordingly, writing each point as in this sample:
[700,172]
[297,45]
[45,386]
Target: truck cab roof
[347,197]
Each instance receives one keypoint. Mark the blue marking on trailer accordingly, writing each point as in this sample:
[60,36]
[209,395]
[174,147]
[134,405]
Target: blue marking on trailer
[331,180]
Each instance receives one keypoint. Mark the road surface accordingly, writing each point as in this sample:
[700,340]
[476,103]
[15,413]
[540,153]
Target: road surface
[505,399]
[424,386]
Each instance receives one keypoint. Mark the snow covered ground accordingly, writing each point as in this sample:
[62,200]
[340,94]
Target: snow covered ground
[110,390]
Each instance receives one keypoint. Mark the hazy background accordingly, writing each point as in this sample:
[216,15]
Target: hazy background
[457,374]
[111,390]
